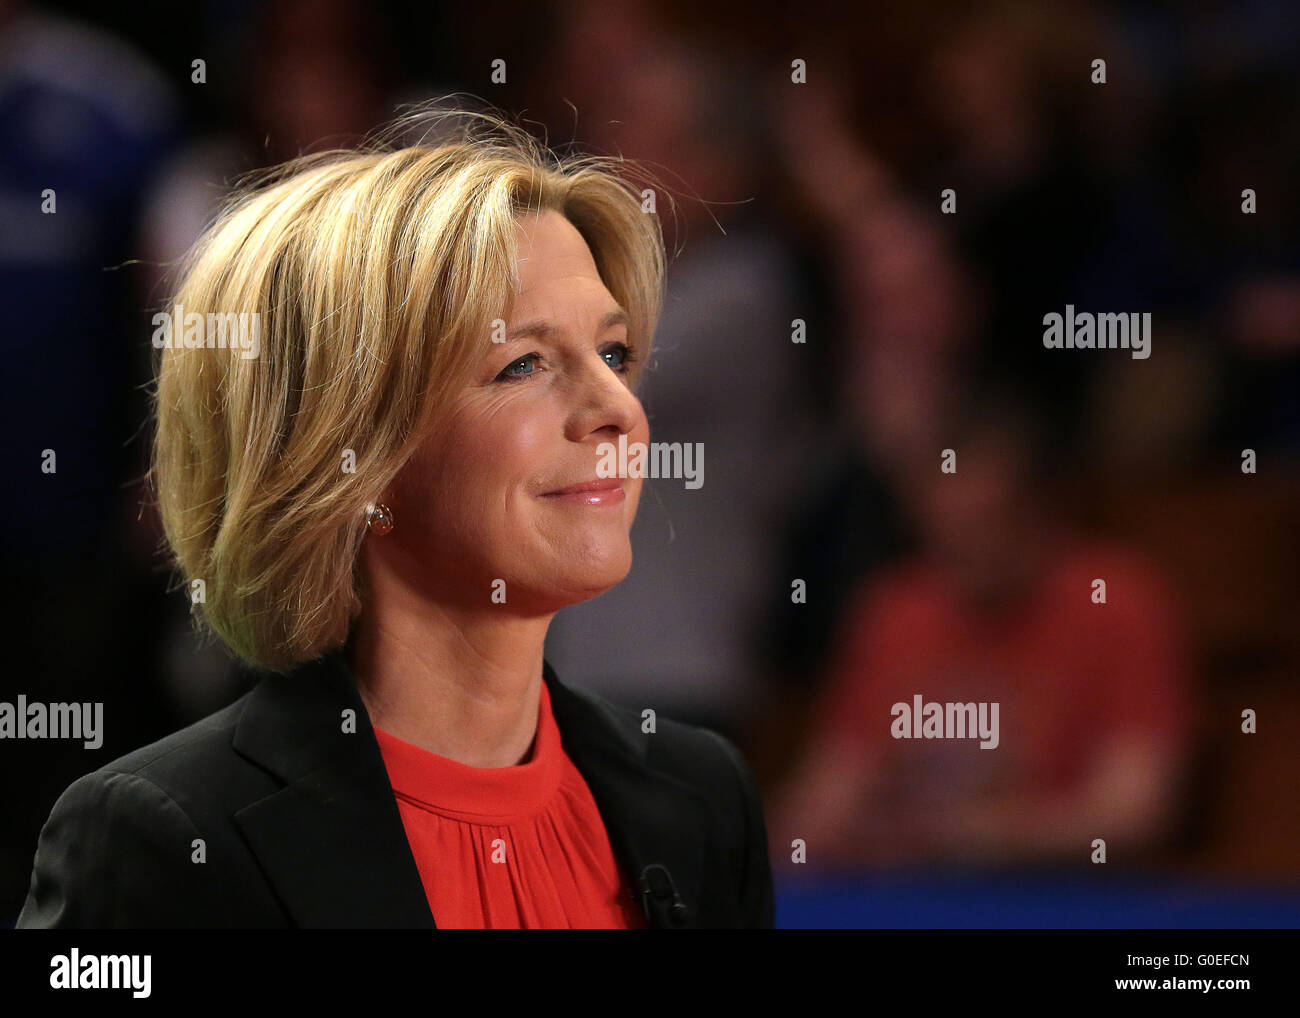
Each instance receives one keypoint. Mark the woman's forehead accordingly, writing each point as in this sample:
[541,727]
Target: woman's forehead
[550,237]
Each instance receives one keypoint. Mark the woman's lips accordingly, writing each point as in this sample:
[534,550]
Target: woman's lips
[603,492]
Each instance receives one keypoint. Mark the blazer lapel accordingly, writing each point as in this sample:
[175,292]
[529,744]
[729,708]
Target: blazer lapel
[652,819]
[331,841]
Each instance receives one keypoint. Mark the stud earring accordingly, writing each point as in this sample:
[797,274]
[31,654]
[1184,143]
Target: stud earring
[379,519]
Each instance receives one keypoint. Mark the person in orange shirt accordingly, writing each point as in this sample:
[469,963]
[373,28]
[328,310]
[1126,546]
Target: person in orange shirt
[1001,606]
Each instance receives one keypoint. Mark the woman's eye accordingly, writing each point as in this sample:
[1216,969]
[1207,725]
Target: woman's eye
[622,357]
[512,371]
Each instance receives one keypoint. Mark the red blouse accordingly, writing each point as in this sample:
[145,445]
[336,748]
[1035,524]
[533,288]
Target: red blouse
[520,847]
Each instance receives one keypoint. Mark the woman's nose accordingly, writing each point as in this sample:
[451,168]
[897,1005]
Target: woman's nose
[604,403]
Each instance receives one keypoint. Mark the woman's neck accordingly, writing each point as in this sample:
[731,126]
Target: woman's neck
[463,683]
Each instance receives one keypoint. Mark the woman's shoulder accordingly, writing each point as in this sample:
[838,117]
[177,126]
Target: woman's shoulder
[665,782]
[187,765]
[697,760]
[135,843]
[690,753]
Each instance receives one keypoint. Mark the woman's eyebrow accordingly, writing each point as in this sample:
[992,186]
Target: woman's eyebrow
[541,327]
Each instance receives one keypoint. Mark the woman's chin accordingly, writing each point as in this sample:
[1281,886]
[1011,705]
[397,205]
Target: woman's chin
[576,586]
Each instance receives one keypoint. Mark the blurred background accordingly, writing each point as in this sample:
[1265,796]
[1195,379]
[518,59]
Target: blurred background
[922,331]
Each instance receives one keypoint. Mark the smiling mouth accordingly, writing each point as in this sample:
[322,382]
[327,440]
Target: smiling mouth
[602,492]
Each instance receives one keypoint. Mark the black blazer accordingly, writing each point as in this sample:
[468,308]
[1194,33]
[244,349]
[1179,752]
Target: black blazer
[301,828]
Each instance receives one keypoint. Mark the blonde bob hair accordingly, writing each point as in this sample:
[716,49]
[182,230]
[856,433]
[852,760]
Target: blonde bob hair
[378,276]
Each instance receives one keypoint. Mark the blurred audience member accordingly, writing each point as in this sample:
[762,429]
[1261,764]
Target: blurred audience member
[905,308]
[1000,605]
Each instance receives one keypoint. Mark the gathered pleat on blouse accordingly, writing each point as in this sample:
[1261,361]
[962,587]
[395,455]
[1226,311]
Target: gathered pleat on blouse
[520,847]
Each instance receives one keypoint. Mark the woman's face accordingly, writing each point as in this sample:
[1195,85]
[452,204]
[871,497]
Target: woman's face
[476,503]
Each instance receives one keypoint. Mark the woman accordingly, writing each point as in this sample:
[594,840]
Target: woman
[381,499]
